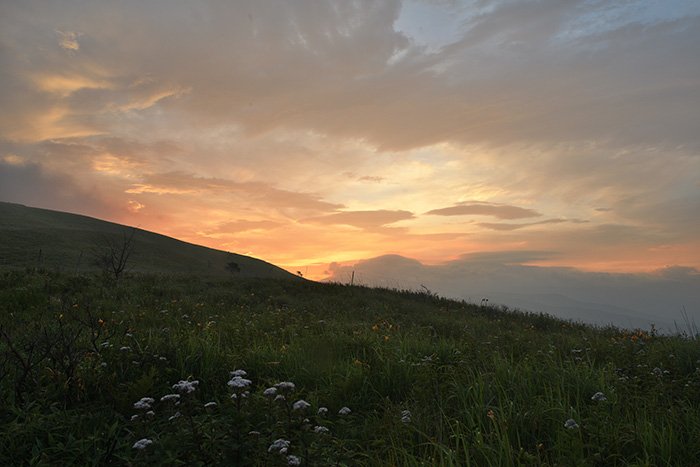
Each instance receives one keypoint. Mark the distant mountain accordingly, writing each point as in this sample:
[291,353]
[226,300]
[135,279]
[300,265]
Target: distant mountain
[32,237]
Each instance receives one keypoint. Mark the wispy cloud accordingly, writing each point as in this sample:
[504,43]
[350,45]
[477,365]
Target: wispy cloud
[363,219]
[501,211]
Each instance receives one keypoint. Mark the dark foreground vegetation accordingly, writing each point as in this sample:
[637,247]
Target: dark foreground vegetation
[95,371]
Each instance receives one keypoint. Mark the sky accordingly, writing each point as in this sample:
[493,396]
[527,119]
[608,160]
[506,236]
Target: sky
[548,136]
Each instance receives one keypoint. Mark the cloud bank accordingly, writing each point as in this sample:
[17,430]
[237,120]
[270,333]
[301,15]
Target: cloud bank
[627,300]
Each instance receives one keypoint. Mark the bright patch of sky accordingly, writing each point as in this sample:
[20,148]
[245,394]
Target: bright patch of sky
[433,24]
[606,16]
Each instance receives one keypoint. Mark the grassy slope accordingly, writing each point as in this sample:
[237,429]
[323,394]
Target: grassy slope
[483,387]
[32,237]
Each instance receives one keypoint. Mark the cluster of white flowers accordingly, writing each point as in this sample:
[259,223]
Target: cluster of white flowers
[144,403]
[570,424]
[285,386]
[242,395]
[238,373]
[270,392]
[177,415]
[279,446]
[126,348]
[344,411]
[322,411]
[142,443]
[599,397]
[239,382]
[320,429]
[185,387]
[301,404]
[210,405]
[170,398]
[406,416]
[293,460]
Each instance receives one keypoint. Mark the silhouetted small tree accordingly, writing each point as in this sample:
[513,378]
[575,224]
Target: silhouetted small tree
[114,255]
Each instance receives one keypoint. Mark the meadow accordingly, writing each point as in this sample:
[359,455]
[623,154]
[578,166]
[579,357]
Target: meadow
[157,370]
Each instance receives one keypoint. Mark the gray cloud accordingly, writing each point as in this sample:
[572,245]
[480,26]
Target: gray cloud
[500,211]
[329,67]
[175,183]
[509,227]
[369,220]
[30,185]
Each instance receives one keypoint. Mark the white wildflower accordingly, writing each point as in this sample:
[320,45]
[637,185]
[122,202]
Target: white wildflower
[344,411]
[144,403]
[134,418]
[103,364]
[270,392]
[293,460]
[142,444]
[570,424]
[599,397]
[177,415]
[151,413]
[285,386]
[301,404]
[406,416]
[320,429]
[170,398]
[210,405]
[238,373]
[280,398]
[185,387]
[278,446]
[254,433]
[238,382]
[322,411]
[126,348]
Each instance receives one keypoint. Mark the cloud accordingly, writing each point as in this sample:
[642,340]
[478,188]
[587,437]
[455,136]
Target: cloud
[370,178]
[369,220]
[504,226]
[69,40]
[29,184]
[628,300]
[177,183]
[500,211]
[244,225]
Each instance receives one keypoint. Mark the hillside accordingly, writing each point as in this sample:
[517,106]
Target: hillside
[155,370]
[33,237]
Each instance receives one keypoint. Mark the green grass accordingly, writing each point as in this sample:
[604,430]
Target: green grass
[483,386]
[41,238]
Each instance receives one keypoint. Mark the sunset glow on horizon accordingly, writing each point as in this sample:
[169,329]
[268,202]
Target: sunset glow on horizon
[309,133]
